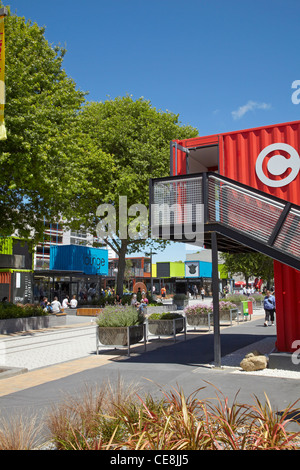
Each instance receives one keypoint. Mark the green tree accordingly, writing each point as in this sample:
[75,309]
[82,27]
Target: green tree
[136,136]
[39,174]
[249,265]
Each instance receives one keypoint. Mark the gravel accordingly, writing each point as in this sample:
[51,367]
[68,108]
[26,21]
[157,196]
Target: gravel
[265,347]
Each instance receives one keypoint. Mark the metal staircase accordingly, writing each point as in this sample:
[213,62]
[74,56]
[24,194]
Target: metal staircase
[245,219]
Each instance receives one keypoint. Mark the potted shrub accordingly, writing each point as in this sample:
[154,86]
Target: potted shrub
[181,301]
[120,325]
[225,307]
[161,324]
[237,300]
[26,317]
[199,314]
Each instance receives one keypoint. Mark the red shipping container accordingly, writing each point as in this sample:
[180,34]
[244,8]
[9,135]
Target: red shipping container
[265,158]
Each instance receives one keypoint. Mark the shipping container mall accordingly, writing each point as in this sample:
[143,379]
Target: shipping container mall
[248,185]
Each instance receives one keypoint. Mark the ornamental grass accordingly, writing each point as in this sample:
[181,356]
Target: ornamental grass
[115,416]
[124,420]
[119,316]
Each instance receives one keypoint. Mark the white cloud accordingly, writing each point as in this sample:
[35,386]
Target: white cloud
[250,106]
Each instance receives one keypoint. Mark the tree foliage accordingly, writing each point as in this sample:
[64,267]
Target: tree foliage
[249,265]
[136,136]
[38,160]
[64,157]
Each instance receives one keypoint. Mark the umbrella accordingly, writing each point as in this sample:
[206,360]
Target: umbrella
[240,283]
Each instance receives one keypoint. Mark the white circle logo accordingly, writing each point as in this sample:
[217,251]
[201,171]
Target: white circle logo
[278,164]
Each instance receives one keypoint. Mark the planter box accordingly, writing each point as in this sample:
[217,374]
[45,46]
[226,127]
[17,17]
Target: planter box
[225,315]
[228,315]
[208,319]
[166,327]
[14,325]
[199,320]
[120,336]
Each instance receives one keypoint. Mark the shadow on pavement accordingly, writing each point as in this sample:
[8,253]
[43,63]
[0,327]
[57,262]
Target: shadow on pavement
[198,350]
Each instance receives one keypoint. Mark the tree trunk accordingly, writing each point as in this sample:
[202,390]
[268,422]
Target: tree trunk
[121,267]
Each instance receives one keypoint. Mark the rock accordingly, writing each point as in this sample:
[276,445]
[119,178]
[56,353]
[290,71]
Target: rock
[254,353]
[252,362]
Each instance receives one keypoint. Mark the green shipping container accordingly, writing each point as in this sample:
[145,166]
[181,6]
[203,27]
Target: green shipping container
[177,269]
[6,246]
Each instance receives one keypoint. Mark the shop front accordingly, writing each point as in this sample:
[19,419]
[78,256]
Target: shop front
[54,283]
[74,270]
[16,273]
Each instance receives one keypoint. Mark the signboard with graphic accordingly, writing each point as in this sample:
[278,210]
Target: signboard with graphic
[192,269]
[85,259]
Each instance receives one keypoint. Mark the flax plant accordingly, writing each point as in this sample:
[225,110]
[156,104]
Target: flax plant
[175,425]
[226,424]
[118,418]
[269,427]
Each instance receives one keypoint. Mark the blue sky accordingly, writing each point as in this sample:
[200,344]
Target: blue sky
[222,65]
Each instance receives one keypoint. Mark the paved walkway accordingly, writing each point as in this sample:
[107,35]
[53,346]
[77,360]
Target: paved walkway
[42,348]
[67,362]
[41,356]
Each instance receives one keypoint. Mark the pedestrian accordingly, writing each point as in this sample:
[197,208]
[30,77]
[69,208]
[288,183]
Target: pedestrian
[134,302]
[144,302]
[73,302]
[163,292]
[195,291]
[46,306]
[202,293]
[56,305]
[44,302]
[65,302]
[269,307]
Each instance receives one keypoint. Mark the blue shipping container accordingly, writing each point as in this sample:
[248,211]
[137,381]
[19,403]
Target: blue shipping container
[205,269]
[79,258]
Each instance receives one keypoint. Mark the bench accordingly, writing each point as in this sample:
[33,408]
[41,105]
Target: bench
[90,312]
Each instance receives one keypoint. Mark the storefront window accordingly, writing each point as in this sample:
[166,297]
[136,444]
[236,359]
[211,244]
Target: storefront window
[85,288]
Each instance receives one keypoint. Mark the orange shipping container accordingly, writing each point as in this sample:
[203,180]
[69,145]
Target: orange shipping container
[5,285]
[267,159]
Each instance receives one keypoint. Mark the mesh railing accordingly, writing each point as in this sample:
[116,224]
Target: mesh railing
[241,209]
[288,239]
[176,201]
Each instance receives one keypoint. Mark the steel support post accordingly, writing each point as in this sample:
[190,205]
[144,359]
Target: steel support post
[215,291]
